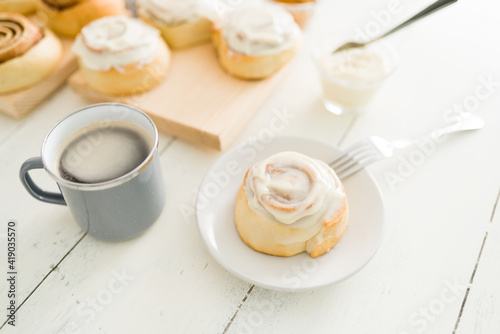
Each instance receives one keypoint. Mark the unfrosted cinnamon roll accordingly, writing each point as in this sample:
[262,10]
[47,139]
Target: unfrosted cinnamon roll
[182,23]
[68,17]
[18,6]
[290,203]
[253,42]
[120,55]
[27,52]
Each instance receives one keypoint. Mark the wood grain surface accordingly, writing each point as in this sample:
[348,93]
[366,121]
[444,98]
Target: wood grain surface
[198,101]
[436,271]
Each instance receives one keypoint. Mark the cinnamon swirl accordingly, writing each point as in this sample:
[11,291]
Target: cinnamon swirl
[120,55]
[68,17]
[253,42]
[182,23]
[27,52]
[18,6]
[290,203]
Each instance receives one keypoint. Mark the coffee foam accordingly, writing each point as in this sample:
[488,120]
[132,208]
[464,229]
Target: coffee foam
[103,151]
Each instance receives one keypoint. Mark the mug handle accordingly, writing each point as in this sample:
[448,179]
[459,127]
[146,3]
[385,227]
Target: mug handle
[32,188]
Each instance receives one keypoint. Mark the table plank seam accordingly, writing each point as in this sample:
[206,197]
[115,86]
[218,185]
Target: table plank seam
[494,208]
[167,145]
[238,308]
[347,130]
[471,281]
[45,277]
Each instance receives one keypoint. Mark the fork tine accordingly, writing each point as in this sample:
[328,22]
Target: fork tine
[341,161]
[356,152]
[342,175]
[350,172]
[357,159]
[352,149]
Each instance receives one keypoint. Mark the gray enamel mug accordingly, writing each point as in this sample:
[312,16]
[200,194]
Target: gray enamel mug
[113,209]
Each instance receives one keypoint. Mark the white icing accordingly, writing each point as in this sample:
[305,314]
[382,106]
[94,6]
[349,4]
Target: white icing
[174,12]
[295,190]
[358,64]
[260,30]
[116,41]
[352,77]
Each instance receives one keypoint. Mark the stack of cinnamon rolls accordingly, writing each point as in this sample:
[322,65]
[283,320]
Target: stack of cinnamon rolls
[119,54]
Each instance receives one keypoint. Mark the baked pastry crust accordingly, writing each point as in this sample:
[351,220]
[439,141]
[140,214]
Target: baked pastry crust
[267,236]
[31,65]
[68,21]
[134,79]
[184,34]
[246,66]
[18,6]
[261,234]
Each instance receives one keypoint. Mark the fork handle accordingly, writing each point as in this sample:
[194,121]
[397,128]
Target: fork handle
[468,121]
[423,13]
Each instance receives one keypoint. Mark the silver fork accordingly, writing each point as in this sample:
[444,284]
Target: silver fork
[374,148]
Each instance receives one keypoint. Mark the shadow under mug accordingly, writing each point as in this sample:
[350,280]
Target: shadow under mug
[114,210]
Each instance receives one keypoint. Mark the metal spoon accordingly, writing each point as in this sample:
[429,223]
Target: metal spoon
[429,10]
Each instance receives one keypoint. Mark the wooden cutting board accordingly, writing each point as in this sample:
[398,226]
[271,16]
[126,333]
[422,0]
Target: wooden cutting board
[198,101]
[19,104]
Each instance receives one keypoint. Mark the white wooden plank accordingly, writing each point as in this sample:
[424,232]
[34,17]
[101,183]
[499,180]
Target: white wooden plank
[46,232]
[176,285]
[431,243]
[436,217]
[481,313]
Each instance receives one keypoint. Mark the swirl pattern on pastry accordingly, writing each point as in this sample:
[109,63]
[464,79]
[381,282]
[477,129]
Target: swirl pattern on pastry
[290,203]
[17,35]
[293,189]
[115,42]
[260,30]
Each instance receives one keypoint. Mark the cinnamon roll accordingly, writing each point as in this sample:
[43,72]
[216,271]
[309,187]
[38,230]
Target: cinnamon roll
[301,10]
[18,6]
[290,203]
[68,17]
[182,23]
[120,55]
[28,53]
[253,42]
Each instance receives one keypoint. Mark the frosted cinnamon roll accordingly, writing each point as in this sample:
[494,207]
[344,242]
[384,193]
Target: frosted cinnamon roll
[120,55]
[301,10]
[68,17]
[18,6]
[182,23]
[290,203]
[28,53]
[256,41]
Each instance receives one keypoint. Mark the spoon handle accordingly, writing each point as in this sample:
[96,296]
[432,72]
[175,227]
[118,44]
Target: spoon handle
[429,10]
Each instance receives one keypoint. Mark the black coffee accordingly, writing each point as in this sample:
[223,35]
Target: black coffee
[103,152]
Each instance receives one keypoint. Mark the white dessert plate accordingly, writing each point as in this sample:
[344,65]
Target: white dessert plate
[215,218]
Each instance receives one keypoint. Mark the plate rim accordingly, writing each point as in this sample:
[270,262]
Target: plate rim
[216,256]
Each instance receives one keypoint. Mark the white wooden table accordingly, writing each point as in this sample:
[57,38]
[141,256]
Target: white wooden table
[437,269]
